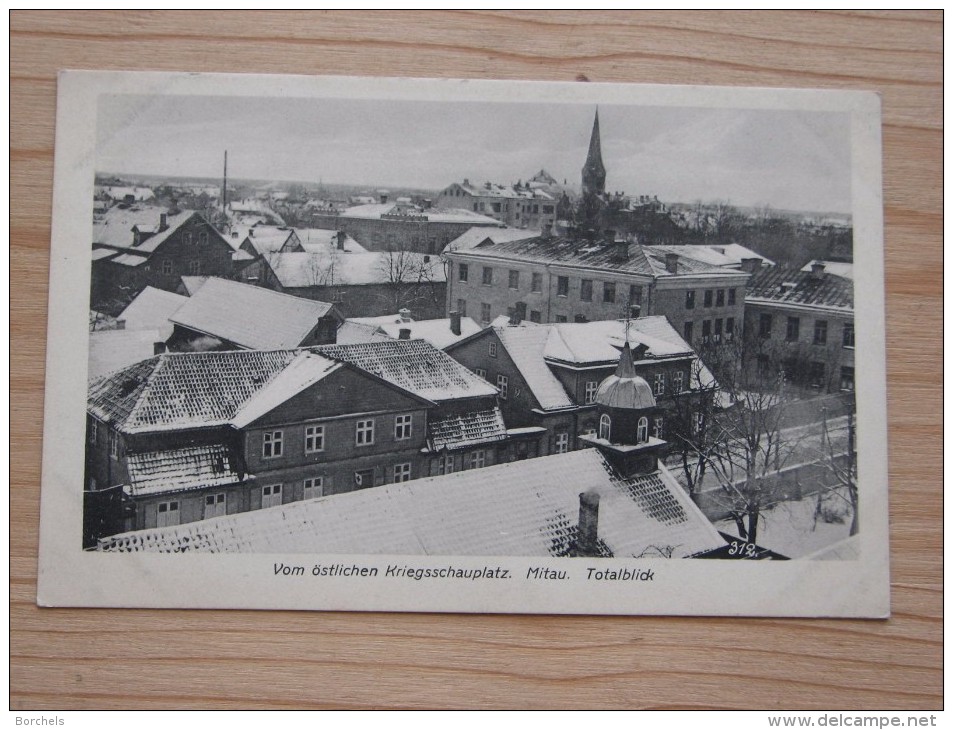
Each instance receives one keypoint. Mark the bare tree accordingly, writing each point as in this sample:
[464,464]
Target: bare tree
[409,276]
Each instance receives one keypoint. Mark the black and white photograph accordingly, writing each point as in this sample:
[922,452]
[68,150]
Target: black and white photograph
[381,344]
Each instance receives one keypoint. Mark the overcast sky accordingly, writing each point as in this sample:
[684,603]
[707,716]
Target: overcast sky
[792,160]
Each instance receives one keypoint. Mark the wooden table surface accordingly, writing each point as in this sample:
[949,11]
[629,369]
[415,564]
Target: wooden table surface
[62,659]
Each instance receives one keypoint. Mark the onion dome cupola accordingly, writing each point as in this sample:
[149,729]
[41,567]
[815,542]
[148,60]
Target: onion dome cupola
[625,389]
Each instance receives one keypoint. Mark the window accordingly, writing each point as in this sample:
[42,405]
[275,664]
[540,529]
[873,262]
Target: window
[729,329]
[689,300]
[709,295]
[562,442]
[487,276]
[764,366]
[514,279]
[502,382]
[794,329]
[477,459]
[445,464]
[846,378]
[535,316]
[485,313]
[816,375]
[313,487]
[605,427]
[203,238]
[608,292]
[720,298]
[658,427]
[167,514]
[562,286]
[463,273]
[462,307]
[731,297]
[215,506]
[706,331]
[114,444]
[642,432]
[635,295]
[167,266]
[848,334]
[820,332]
[403,427]
[537,282]
[271,444]
[592,387]
[364,479]
[718,329]
[678,381]
[480,372]
[188,239]
[561,319]
[659,383]
[687,329]
[402,472]
[93,431]
[270,495]
[585,290]
[493,349]
[313,439]
[764,325]
[698,422]
[364,433]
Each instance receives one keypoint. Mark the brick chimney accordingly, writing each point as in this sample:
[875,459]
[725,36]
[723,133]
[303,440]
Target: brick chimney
[455,323]
[341,238]
[751,265]
[587,539]
[817,270]
[163,221]
[403,333]
[405,315]
[671,263]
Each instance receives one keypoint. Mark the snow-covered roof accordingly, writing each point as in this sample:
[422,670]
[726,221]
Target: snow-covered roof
[302,372]
[111,350]
[250,316]
[449,215]
[115,227]
[477,235]
[435,331]
[463,430]
[727,256]
[495,190]
[523,508]
[416,366]
[602,341]
[843,269]
[192,284]
[526,346]
[151,309]
[179,470]
[322,240]
[268,239]
[353,332]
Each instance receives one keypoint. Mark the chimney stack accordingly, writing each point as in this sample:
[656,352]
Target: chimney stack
[752,265]
[158,348]
[405,315]
[587,539]
[547,229]
[163,221]
[342,237]
[455,323]
[404,333]
[671,263]
[817,270]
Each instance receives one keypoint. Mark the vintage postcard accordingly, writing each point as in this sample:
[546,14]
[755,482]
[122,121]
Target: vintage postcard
[475,346]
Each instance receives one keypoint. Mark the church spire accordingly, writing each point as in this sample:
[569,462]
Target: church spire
[594,172]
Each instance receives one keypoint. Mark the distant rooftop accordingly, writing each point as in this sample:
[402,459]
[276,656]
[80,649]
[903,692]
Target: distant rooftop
[450,215]
[788,285]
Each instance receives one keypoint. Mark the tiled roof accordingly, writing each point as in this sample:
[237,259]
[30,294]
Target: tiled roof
[302,372]
[176,470]
[463,430]
[414,365]
[523,508]
[477,235]
[568,252]
[830,290]
[526,346]
[183,390]
[250,316]
[151,309]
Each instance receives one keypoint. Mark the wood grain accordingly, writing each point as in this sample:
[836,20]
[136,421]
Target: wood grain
[63,659]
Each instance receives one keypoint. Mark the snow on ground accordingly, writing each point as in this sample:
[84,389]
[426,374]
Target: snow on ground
[790,528]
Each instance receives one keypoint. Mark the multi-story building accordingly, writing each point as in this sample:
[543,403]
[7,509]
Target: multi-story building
[803,322]
[560,279]
[548,375]
[519,206]
[189,436]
